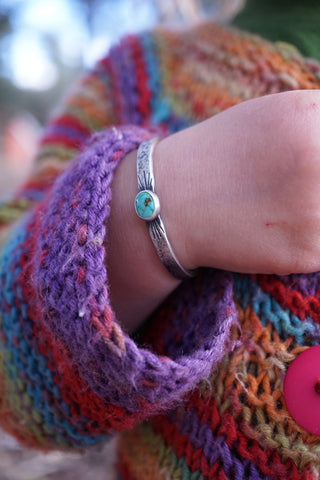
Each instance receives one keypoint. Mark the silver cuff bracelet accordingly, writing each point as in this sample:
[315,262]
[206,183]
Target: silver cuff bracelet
[147,206]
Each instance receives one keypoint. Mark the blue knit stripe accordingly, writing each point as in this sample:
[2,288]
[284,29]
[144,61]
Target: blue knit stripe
[67,130]
[249,293]
[162,112]
[27,375]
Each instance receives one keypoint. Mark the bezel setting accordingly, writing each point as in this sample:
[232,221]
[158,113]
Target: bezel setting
[147,205]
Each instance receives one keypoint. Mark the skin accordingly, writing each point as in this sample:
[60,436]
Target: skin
[242,194]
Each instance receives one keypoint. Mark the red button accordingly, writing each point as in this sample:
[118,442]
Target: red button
[302,389]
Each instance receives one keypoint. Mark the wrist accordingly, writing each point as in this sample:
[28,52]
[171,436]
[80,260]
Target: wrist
[138,280]
[174,186]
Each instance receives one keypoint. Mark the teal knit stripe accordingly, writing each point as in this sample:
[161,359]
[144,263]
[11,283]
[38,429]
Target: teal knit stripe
[248,292]
[39,400]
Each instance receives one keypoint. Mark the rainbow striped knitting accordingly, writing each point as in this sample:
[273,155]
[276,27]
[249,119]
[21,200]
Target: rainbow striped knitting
[200,395]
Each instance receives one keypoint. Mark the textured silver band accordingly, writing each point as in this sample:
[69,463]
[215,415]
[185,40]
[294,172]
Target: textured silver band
[156,228]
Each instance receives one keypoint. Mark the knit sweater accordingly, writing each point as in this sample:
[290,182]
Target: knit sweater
[198,394]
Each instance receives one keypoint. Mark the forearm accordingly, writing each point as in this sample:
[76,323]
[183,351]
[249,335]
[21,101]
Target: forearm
[229,201]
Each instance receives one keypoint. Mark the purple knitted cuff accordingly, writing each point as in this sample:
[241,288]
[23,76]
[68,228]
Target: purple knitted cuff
[100,380]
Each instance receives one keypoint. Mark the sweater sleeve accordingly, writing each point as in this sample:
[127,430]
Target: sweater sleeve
[69,376]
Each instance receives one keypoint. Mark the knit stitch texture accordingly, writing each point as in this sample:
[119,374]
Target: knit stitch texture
[200,394]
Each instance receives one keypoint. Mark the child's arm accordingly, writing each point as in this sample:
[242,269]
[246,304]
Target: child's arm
[239,192]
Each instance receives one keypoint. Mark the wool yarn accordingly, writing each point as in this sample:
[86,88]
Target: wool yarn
[198,393]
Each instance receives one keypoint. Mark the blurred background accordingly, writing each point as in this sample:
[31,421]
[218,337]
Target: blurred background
[44,46]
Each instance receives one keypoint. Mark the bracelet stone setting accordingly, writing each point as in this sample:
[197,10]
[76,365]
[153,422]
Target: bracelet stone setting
[147,206]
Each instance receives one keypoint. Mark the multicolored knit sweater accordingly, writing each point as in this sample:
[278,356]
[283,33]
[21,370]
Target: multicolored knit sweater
[199,393]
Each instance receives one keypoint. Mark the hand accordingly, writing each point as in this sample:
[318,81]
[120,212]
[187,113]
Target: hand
[241,191]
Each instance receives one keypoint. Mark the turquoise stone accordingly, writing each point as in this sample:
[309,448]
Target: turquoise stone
[144,205]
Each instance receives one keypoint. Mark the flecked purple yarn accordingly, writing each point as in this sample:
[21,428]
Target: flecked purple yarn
[79,313]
